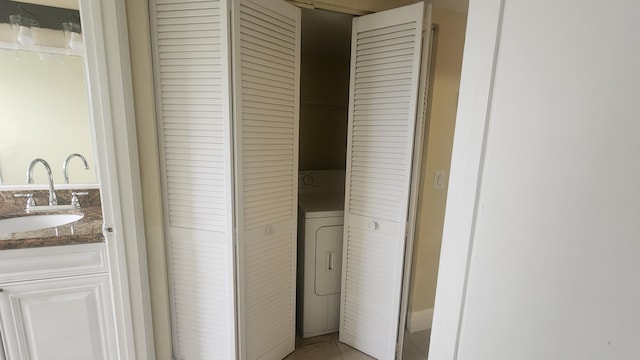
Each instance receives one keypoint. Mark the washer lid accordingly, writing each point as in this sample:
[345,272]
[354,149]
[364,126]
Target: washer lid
[321,205]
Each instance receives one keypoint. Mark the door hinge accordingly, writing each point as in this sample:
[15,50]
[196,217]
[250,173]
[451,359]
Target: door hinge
[235,237]
[398,350]
[406,229]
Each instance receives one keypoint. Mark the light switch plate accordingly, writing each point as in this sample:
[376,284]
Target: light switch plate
[438,179]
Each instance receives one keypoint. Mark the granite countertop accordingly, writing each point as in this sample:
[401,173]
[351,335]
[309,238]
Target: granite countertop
[86,230]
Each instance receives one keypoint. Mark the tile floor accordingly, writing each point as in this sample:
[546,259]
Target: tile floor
[416,345]
[327,347]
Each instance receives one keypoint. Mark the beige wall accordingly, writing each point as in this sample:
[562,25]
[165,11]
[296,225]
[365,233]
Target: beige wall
[428,247]
[140,48]
[43,114]
[357,7]
[431,203]
[324,101]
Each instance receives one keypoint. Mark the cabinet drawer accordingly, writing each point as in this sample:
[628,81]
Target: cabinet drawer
[51,262]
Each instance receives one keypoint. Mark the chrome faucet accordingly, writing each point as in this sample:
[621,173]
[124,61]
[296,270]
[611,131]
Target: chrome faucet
[65,165]
[52,194]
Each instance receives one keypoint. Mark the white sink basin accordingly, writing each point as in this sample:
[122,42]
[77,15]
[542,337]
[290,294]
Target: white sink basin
[36,222]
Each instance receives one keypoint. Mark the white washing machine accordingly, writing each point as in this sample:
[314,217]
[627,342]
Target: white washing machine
[320,227]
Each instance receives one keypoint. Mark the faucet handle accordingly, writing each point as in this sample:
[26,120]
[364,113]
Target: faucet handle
[74,198]
[30,201]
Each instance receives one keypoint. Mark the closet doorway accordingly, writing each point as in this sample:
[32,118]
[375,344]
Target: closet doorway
[228,90]
[324,106]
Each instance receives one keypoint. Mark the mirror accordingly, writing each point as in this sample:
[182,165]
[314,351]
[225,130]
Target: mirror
[44,107]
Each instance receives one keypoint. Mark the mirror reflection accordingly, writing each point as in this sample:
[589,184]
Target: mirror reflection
[44,108]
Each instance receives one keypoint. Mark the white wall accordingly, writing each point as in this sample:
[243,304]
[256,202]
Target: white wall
[43,113]
[554,263]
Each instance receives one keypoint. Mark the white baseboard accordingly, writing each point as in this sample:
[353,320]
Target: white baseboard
[420,320]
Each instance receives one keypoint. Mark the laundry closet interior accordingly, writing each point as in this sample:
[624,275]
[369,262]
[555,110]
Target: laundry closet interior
[287,163]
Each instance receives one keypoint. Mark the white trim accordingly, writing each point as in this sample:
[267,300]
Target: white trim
[420,320]
[476,88]
[115,146]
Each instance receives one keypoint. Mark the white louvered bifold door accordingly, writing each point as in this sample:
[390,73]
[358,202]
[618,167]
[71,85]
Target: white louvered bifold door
[191,69]
[266,63]
[385,67]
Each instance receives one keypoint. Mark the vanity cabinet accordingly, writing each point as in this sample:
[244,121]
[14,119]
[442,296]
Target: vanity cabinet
[60,307]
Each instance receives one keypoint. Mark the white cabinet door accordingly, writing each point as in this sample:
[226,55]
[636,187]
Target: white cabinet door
[266,67]
[385,73]
[191,65]
[60,319]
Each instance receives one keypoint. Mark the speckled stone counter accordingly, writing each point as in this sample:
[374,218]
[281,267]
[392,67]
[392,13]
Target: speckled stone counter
[86,230]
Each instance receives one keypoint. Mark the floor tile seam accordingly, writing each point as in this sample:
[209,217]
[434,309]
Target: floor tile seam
[338,348]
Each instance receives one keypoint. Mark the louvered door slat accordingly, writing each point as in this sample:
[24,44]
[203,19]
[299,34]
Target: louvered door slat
[187,35]
[266,79]
[186,18]
[176,6]
[193,128]
[165,2]
[384,61]
[260,86]
[372,32]
[405,31]
[270,20]
[267,36]
[386,51]
[191,65]
[265,47]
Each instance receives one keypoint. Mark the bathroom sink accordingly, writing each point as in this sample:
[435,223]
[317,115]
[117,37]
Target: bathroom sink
[36,222]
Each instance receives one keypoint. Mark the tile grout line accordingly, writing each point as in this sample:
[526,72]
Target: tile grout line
[335,343]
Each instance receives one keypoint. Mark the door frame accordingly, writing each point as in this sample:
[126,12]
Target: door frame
[110,87]
[484,21]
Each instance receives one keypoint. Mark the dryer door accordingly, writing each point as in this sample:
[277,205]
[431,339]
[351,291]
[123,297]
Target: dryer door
[328,259]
